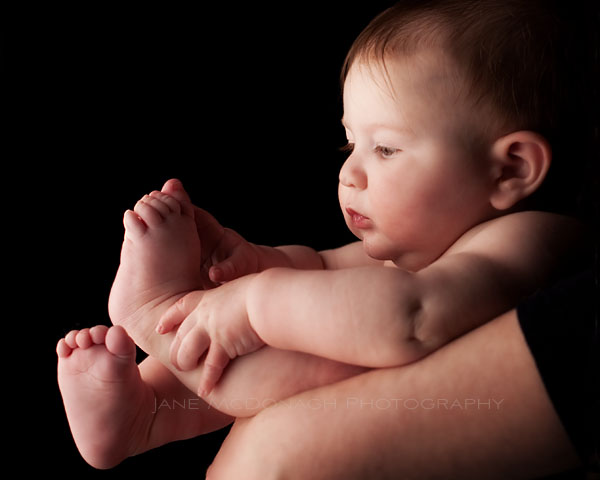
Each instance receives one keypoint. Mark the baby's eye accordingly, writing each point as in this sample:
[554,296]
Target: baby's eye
[348,148]
[386,152]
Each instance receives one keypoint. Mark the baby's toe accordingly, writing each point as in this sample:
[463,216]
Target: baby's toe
[147,211]
[168,201]
[62,349]
[159,204]
[83,339]
[174,188]
[70,339]
[134,225]
[119,343]
[98,334]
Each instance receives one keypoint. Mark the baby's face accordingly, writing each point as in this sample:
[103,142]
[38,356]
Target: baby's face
[412,184]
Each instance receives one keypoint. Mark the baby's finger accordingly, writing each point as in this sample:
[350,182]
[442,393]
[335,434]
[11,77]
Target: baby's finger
[174,351]
[216,361]
[178,312]
[182,331]
[235,266]
[191,349]
[220,273]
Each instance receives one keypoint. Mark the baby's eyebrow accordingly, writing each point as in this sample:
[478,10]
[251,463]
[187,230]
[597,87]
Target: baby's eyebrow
[380,126]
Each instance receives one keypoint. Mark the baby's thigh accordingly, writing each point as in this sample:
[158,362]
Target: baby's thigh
[263,378]
[254,449]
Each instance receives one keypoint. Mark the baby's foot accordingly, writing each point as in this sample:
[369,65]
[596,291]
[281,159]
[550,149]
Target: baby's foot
[160,262]
[108,406]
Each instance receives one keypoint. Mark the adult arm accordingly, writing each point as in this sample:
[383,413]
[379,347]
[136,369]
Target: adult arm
[476,408]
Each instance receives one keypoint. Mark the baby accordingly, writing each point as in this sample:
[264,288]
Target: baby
[443,159]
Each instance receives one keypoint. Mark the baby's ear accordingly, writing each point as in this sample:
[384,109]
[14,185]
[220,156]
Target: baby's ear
[520,163]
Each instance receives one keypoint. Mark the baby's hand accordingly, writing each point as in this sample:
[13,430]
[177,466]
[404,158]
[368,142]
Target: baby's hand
[226,255]
[214,322]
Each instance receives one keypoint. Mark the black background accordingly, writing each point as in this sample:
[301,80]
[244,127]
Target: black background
[105,103]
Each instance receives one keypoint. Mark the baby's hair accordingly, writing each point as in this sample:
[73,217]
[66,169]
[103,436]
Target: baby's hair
[530,60]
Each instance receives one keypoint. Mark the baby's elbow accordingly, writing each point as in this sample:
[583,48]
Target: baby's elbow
[406,339]
[404,344]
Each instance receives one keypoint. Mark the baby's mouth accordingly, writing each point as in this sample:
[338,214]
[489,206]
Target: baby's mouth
[359,220]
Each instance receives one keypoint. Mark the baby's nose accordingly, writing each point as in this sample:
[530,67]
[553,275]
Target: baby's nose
[352,174]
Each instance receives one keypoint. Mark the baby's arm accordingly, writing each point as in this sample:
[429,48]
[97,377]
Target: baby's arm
[378,316]
[305,258]
[247,258]
[381,317]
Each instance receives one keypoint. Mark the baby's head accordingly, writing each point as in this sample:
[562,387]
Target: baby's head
[450,108]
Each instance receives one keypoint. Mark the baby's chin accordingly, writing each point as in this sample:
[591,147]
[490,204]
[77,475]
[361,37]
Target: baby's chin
[406,260]
[376,251]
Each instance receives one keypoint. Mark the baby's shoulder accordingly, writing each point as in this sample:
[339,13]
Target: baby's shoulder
[532,221]
[521,230]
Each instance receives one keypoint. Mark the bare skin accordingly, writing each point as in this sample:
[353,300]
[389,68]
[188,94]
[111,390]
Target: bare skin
[105,391]
[160,262]
[147,283]
[113,407]
[108,398]
[387,423]
[410,214]
[97,367]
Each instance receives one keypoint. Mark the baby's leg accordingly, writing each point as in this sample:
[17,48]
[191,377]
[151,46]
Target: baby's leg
[160,262]
[261,379]
[105,399]
[113,411]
